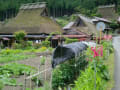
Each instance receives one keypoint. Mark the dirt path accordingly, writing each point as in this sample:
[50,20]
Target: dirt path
[34,62]
[116,44]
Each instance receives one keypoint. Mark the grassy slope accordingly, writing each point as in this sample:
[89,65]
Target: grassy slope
[110,64]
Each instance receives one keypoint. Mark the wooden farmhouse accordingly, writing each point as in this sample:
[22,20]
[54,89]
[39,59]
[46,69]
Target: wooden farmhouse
[33,19]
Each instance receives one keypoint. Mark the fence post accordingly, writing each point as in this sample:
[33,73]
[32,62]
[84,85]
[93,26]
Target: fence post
[24,88]
[30,83]
[45,71]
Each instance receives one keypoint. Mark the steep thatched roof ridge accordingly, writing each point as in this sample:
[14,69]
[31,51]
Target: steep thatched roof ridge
[89,27]
[32,22]
[107,6]
[33,5]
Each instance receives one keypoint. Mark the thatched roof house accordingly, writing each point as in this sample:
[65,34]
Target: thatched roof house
[81,24]
[33,19]
[108,12]
[84,26]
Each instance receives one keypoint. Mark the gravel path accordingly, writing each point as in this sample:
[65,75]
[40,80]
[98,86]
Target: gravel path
[116,44]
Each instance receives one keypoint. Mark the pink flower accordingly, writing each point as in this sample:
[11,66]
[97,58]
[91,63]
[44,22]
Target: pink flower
[98,51]
[94,51]
[107,37]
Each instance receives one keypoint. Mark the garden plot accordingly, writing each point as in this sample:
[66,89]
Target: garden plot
[34,63]
[10,55]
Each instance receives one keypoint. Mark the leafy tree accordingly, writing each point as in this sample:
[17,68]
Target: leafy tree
[19,35]
[10,8]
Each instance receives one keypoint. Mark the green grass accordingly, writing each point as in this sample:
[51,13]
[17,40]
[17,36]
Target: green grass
[110,64]
[14,57]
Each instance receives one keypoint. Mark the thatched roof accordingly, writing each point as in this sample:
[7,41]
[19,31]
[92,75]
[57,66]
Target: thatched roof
[108,12]
[83,24]
[33,5]
[33,21]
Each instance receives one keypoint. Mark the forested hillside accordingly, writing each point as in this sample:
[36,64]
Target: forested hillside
[9,8]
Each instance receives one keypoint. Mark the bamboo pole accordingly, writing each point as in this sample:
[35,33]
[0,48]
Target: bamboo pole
[24,82]
[100,36]
[45,71]
[38,73]
[30,83]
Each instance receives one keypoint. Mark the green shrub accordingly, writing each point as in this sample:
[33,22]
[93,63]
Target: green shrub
[20,35]
[69,40]
[114,25]
[45,43]
[66,73]
[108,46]
[23,45]
[17,46]
[86,81]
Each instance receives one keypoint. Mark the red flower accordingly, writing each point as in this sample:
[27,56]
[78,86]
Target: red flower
[98,51]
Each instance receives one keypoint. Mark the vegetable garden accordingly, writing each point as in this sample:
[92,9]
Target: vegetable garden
[28,68]
[91,74]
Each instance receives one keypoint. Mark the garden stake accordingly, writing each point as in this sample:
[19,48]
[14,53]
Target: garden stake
[30,82]
[38,72]
[45,71]
[37,76]
[95,74]
[51,79]
[25,82]
[100,36]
